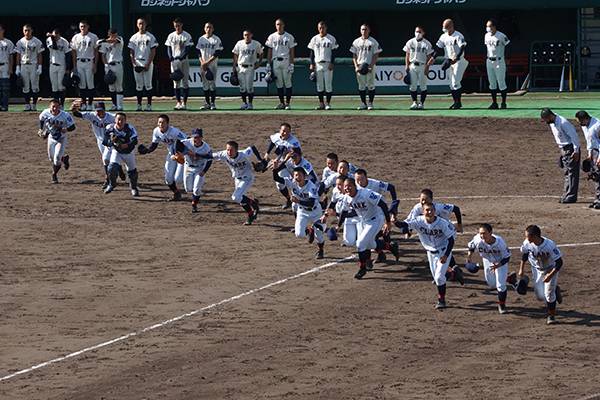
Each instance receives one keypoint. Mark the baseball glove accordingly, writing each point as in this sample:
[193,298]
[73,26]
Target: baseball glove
[76,105]
[234,79]
[260,166]
[270,77]
[522,285]
[75,79]
[142,149]
[138,69]
[116,140]
[446,64]
[406,78]
[472,267]
[176,75]
[364,69]
[313,76]
[43,133]
[66,81]
[110,77]
[178,157]
[209,75]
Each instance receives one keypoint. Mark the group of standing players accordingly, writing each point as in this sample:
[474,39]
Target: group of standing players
[76,63]
[343,191]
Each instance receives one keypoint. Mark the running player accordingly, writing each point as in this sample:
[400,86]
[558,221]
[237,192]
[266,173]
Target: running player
[123,138]
[54,125]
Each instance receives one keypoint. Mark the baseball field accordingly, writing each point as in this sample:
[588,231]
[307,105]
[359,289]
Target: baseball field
[113,297]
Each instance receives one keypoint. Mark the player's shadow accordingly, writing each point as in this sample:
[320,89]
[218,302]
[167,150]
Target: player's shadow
[277,227]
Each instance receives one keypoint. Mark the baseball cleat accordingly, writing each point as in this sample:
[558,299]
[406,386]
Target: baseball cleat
[370,106]
[558,293]
[54,178]
[109,189]
[213,106]
[183,107]
[194,208]
[27,107]
[148,107]
[381,258]
[501,309]
[414,106]
[421,106]
[256,210]
[139,108]
[327,107]
[503,106]
[458,275]
[551,320]
[363,106]
[311,234]
[280,106]
[440,305]
[135,192]
[287,205]
[65,160]
[206,106]
[320,254]
[287,107]
[453,106]
[176,196]
[361,272]
[177,106]
[248,220]
[244,107]
[320,107]
[369,265]
[34,107]
[105,184]
[250,107]
[493,106]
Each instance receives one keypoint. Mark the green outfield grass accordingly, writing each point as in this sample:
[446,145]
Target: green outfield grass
[525,106]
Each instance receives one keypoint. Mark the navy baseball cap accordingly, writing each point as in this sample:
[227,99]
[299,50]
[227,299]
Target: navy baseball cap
[99,106]
[197,132]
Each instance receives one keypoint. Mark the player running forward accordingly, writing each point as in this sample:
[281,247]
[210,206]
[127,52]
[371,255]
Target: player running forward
[99,119]
[495,255]
[169,135]
[54,125]
[308,213]
[282,142]
[546,261]
[437,237]
[195,152]
[243,176]
[373,215]
[123,138]
[350,223]
[444,210]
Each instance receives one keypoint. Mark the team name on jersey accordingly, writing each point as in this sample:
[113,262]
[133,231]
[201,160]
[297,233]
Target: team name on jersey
[207,46]
[248,52]
[281,42]
[323,45]
[431,232]
[237,164]
[488,250]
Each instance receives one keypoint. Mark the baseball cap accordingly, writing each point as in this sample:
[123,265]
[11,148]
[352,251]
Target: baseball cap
[197,132]
[546,112]
[99,106]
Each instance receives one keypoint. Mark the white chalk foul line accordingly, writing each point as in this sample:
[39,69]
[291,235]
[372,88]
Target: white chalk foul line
[172,320]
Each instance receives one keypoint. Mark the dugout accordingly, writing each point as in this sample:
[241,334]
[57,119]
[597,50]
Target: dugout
[392,23]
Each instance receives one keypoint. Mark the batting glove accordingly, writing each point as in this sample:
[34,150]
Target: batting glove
[39,69]
[291,68]
[18,70]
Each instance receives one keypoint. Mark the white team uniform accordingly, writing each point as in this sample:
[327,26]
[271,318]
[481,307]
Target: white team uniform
[443,210]
[57,52]
[364,50]
[492,254]
[113,54]
[247,54]
[327,172]
[178,42]
[331,178]
[57,139]
[282,147]
[7,48]
[323,46]
[306,215]
[281,45]
[419,52]
[195,166]
[434,238]
[118,156]
[377,186]
[85,51]
[542,259]
[208,46]
[142,45]
[99,128]
[173,170]
[241,171]
[29,50]
[306,166]
[564,133]
[451,45]
[370,216]
[496,62]
[351,222]
[592,137]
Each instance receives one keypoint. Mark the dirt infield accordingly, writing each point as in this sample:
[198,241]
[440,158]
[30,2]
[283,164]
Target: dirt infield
[79,268]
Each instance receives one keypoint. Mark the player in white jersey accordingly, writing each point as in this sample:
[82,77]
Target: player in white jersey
[591,130]
[99,120]
[247,56]
[7,48]
[29,66]
[373,216]
[453,43]
[122,138]
[343,169]
[437,237]
[495,255]
[331,166]
[284,168]
[111,52]
[365,52]
[59,55]
[280,56]
[567,140]
[443,210]
[241,171]
[308,209]
[322,59]
[179,44]
[169,135]
[495,42]
[419,56]
[54,125]
[210,47]
[85,61]
[350,223]
[142,50]
[546,261]
[282,142]
[196,154]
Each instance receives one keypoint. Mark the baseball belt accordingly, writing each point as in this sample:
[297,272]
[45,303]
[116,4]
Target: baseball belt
[26,63]
[416,63]
[323,62]
[494,58]
[2,64]
[114,63]
[84,59]
[56,64]
[245,65]
[280,58]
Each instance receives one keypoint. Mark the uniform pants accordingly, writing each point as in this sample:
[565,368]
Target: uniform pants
[496,71]
[242,185]
[438,270]
[324,77]
[57,73]
[367,232]
[31,80]
[366,82]
[56,149]
[173,171]
[495,279]
[184,67]
[193,181]
[305,218]
[86,74]
[127,158]
[350,234]
[143,80]
[418,77]
[456,71]
[104,151]
[118,71]
[571,171]
[544,291]
[246,78]
[282,73]
[206,84]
